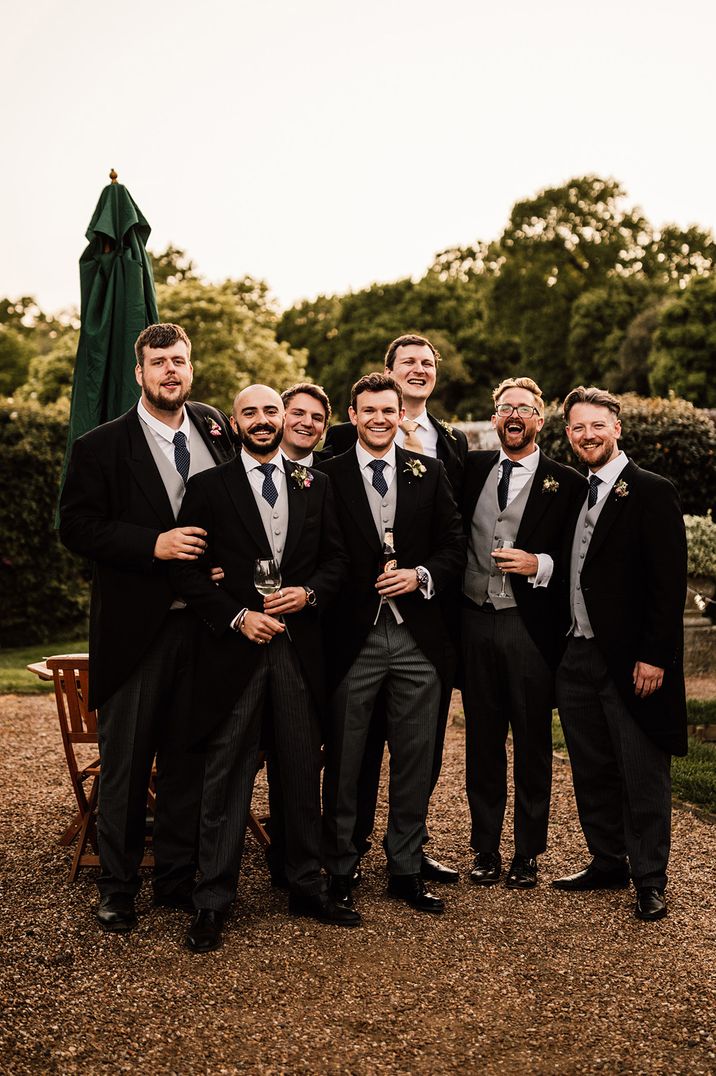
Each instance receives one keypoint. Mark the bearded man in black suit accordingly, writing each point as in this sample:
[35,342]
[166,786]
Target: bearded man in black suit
[123,491]
[388,631]
[620,685]
[255,651]
[510,629]
[412,361]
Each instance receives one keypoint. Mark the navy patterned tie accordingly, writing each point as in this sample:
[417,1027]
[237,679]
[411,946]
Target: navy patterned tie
[594,484]
[181,455]
[379,482]
[269,491]
[504,484]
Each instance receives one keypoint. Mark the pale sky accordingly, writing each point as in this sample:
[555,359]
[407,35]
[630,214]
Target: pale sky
[325,145]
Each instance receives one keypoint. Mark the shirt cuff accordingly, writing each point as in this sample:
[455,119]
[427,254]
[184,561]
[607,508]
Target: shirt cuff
[429,589]
[545,567]
[238,619]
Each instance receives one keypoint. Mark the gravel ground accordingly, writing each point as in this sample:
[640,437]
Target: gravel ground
[538,982]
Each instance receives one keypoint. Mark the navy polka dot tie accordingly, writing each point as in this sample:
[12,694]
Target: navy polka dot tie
[379,482]
[594,484]
[181,455]
[269,491]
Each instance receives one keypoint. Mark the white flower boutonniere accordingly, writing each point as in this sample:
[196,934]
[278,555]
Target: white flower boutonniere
[215,429]
[621,488]
[302,477]
[415,468]
[448,429]
[550,484]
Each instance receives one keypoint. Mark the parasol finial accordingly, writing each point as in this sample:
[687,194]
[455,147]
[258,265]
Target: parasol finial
[113,176]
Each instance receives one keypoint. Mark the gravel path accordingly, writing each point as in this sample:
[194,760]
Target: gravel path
[537,982]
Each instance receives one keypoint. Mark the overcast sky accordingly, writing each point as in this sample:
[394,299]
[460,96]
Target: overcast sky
[324,145]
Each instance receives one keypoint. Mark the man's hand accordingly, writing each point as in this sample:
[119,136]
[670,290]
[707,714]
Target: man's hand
[181,543]
[647,679]
[217,574]
[260,628]
[515,561]
[399,581]
[286,600]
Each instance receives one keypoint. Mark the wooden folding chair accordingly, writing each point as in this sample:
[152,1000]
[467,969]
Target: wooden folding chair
[78,726]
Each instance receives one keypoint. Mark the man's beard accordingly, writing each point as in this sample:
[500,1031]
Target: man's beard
[261,449]
[514,446]
[595,462]
[162,403]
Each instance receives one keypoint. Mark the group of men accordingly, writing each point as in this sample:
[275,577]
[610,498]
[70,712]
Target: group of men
[407,564]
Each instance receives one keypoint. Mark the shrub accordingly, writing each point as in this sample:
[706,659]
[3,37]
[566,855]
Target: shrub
[43,588]
[701,536]
[668,436]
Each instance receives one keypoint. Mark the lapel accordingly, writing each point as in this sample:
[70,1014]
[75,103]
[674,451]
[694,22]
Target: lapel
[144,469]
[611,511]
[242,497]
[476,472]
[537,503]
[408,490]
[202,422]
[297,505]
[445,449]
[351,488]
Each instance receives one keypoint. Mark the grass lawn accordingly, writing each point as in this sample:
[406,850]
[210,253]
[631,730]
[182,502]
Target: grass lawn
[14,677]
[693,778]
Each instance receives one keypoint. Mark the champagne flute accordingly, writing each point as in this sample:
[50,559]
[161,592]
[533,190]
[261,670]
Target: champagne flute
[267,577]
[503,543]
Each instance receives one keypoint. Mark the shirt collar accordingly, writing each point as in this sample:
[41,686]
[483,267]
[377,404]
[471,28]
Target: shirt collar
[307,461]
[423,421]
[611,471]
[364,458]
[161,427]
[251,464]
[528,462]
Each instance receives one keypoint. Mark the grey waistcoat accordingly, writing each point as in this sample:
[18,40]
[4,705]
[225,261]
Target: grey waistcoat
[483,579]
[580,546]
[200,459]
[275,520]
[383,512]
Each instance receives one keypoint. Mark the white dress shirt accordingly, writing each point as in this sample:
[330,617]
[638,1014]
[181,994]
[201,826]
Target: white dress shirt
[256,477]
[163,434]
[518,480]
[608,475]
[426,432]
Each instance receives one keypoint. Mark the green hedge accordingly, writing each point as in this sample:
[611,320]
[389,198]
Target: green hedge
[693,778]
[671,437]
[44,589]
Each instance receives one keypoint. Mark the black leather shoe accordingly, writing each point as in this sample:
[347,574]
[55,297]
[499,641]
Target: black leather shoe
[433,871]
[179,898]
[594,878]
[522,873]
[204,934]
[324,908]
[412,889]
[115,913]
[486,868]
[340,890]
[650,903]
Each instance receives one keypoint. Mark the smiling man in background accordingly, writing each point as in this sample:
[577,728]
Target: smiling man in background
[307,413]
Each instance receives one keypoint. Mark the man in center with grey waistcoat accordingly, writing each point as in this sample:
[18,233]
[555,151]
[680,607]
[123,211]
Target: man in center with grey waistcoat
[510,629]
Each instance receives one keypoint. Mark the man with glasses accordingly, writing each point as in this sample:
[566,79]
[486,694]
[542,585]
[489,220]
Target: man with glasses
[516,505]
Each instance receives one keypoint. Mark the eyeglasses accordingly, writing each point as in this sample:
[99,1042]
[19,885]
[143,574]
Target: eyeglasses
[523,410]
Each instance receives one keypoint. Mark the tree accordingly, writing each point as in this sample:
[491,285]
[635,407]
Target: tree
[599,327]
[15,354]
[172,266]
[684,354]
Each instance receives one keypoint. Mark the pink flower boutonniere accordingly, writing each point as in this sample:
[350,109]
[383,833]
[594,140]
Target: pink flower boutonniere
[302,477]
[621,489]
[215,429]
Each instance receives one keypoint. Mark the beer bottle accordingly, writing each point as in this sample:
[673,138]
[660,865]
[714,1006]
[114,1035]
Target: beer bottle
[390,562]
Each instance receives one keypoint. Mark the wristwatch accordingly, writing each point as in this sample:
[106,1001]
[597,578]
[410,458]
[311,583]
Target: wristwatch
[310,596]
[422,576]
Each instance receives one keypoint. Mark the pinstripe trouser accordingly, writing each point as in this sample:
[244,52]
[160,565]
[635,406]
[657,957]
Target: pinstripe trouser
[391,657]
[230,771]
[622,779]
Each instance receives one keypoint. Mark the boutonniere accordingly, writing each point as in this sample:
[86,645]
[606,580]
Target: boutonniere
[550,484]
[415,468]
[448,429]
[302,477]
[215,429]
[621,489]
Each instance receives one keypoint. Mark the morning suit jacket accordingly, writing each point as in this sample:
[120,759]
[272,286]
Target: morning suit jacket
[634,587]
[113,508]
[427,532]
[451,448]
[548,513]
[222,501]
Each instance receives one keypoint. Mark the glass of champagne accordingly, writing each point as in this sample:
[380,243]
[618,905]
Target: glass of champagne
[267,577]
[503,543]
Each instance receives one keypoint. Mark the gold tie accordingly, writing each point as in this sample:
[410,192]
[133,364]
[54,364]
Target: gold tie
[411,442]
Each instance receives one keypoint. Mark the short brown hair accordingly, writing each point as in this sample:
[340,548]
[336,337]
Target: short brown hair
[408,340]
[162,335]
[316,391]
[520,383]
[376,383]
[596,397]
